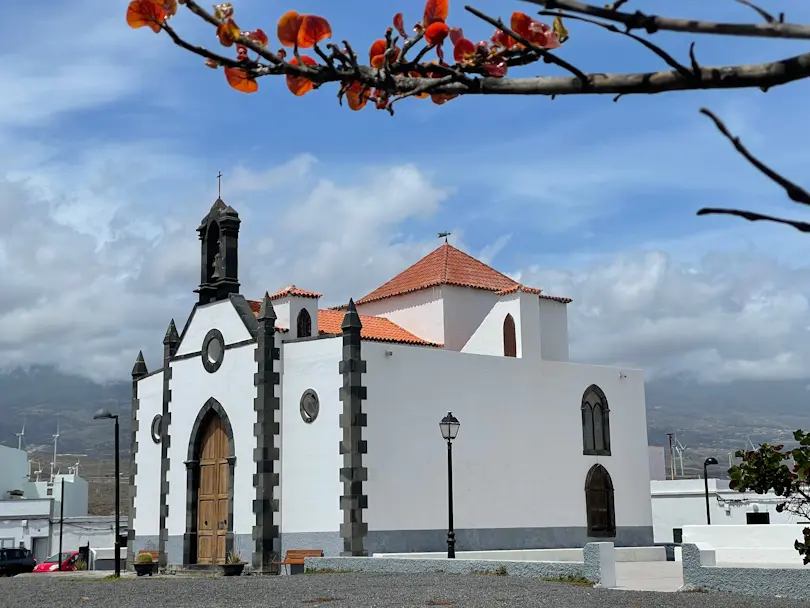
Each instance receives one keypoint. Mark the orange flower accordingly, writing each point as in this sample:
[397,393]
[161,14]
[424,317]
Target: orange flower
[300,85]
[357,95]
[435,11]
[146,13]
[436,32]
[534,31]
[288,27]
[304,30]
[239,80]
[228,32]
[376,54]
[463,50]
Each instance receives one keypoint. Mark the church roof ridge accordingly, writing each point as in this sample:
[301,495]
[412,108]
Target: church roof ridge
[292,290]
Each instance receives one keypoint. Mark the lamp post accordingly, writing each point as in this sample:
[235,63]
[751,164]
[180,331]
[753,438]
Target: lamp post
[449,427]
[709,460]
[106,415]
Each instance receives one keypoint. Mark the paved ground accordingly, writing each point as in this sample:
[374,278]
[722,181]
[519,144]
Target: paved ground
[349,590]
[649,576]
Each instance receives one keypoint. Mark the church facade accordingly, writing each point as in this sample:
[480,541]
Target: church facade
[279,424]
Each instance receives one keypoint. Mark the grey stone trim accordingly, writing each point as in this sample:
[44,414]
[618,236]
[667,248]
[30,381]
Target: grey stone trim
[352,447]
[212,407]
[266,540]
[188,322]
[139,372]
[170,344]
[198,353]
[785,582]
[212,366]
[245,313]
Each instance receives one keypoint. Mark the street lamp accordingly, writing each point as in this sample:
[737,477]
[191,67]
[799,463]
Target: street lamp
[449,427]
[106,415]
[709,460]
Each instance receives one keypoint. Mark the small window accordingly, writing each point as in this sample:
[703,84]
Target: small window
[595,422]
[304,324]
[509,337]
[599,503]
[757,518]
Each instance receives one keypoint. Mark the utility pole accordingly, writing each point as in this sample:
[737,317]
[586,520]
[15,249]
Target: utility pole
[671,458]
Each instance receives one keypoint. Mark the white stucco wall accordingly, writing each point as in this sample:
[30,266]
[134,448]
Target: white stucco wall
[682,502]
[220,315]
[553,330]
[658,462]
[420,312]
[310,459]
[147,479]
[232,386]
[488,338]
[518,458]
[464,311]
[750,545]
[287,310]
[14,530]
[79,531]
[529,334]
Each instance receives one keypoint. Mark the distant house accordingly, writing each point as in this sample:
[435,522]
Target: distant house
[279,423]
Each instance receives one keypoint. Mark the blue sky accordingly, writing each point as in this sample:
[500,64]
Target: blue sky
[110,141]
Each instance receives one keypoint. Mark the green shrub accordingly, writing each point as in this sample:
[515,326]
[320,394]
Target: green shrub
[144,558]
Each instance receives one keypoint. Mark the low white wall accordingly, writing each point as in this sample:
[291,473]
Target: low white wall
[622,554]
[762,544]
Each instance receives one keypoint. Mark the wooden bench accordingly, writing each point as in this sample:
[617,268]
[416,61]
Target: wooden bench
[295,557]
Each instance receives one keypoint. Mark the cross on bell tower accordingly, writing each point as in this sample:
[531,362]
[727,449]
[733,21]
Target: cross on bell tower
[219,241]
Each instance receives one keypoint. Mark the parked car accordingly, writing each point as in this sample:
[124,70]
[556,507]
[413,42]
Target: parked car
[68,560]
[16,561]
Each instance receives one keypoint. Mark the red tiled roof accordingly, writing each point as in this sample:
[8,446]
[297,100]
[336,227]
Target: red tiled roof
[292,290]
[533,290]
[376,329]
[443,266]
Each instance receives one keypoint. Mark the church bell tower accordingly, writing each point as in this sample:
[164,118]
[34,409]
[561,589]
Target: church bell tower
[219,268]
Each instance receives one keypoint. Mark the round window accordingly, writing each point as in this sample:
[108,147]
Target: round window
[310,406]
[156,428]
[213,350]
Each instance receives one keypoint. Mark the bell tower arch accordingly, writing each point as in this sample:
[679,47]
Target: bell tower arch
[219,260]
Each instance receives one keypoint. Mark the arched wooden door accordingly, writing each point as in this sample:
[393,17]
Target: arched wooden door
[212,500]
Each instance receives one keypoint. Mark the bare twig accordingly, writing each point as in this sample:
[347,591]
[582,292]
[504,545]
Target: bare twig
[424,88]
[548,56]
[762,12]
[668,59]
[201,51]
[755,217]
[654,23]
[795,192]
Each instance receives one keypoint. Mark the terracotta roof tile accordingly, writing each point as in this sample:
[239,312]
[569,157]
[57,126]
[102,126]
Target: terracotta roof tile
[534,291]
[377,329]
[443,266]
[292,290]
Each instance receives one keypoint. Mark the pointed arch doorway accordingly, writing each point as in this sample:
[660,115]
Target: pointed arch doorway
[209,498]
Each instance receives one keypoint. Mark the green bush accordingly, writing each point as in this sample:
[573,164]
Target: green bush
[144,558]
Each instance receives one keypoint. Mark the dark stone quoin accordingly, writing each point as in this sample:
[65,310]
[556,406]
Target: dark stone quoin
[138,371]
[266,539]
[352,447]
[170,344]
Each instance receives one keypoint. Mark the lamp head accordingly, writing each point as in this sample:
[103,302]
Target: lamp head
[710,460]
[449,426]
[104,415]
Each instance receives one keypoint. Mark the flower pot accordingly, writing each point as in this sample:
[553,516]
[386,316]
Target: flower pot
[232,569]
[143,569]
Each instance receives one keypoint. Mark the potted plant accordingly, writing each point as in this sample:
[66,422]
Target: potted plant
[144,564]
[234,564]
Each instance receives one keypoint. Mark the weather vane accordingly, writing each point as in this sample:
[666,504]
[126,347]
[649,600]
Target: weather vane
[219,184]
[444,235]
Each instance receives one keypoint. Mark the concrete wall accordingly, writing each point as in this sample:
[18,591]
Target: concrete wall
[622,554]
[310,460]
[99,531]
[519,472]
[77,493]
[772,545]
[147,479]
[420,312]
[465,310]
[23,520]
[488,337]
[682,502]
[658,464]
[14,471]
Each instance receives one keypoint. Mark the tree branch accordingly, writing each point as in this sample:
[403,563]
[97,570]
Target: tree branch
[201,51]
[762,12]
[795,192]
[755,217]
[654,23]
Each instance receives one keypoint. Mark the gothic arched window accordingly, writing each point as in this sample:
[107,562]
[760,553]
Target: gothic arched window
[599,504]
[595,422]
[304,324]
[509,337]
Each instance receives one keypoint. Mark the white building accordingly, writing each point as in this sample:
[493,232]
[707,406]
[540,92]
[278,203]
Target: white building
[682,502]
[279,424]
[31,511]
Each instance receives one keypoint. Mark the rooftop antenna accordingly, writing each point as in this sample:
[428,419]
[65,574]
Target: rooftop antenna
[219,185]
[20,436]
[444,235]
[55,441]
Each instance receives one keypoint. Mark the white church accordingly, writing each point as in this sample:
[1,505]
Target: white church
[278,424]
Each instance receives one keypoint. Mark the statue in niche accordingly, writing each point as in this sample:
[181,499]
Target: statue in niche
[219,267]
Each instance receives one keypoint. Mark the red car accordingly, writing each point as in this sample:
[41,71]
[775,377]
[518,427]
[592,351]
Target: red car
[68,559]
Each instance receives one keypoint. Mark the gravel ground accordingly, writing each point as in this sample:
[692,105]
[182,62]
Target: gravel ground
[344,590]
